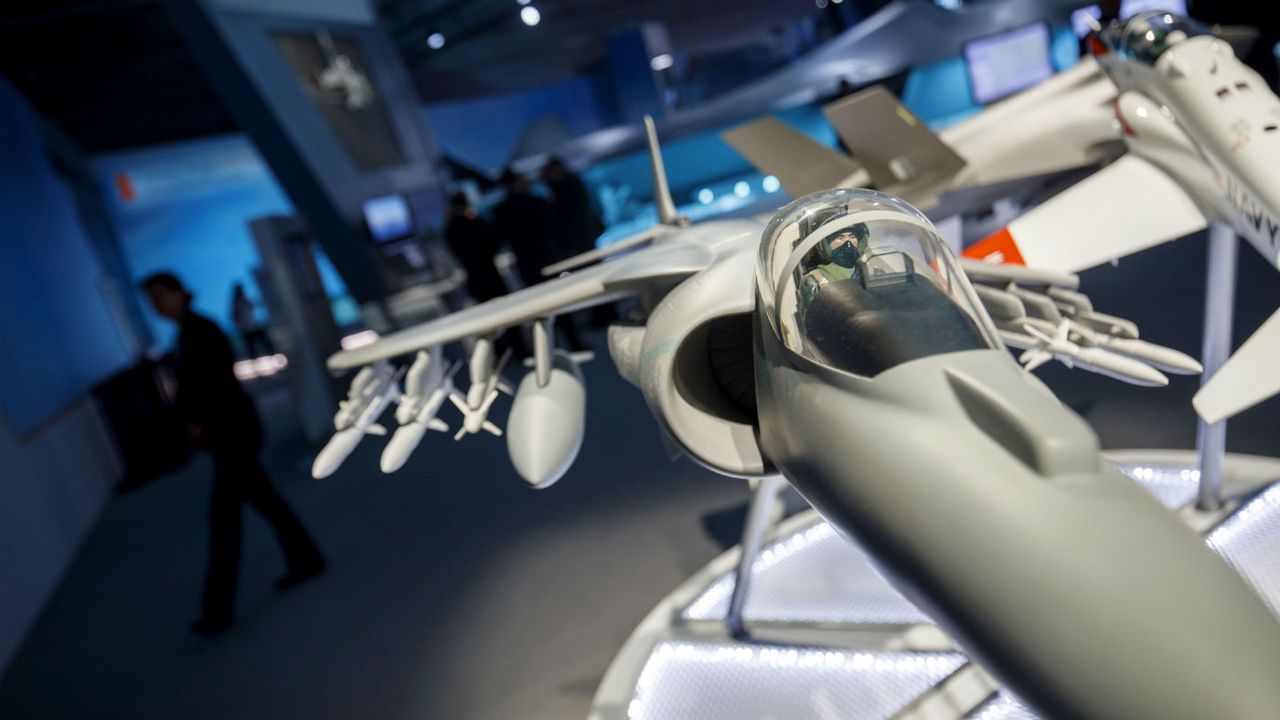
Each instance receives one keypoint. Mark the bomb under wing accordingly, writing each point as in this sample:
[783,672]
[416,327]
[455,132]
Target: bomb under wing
[547,421]
[368,398]
[427,385]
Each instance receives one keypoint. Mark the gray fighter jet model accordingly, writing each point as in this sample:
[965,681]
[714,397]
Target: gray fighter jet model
[845,348]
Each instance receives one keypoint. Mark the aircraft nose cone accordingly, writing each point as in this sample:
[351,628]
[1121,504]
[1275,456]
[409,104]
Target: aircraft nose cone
[545,427]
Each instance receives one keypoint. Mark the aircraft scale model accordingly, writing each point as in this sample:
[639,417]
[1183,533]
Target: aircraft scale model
[844,348]
[1203,134]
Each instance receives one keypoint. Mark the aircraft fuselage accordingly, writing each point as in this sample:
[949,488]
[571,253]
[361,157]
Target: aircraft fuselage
[1212,124]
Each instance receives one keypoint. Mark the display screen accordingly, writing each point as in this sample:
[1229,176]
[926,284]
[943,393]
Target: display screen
[388,218]
[1003,64]
[1128,8]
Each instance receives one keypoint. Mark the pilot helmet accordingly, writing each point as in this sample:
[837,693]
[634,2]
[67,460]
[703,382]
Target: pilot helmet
[844,245]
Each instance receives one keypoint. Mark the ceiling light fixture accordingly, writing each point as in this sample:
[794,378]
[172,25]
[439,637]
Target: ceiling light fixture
[530,15]
[435,41]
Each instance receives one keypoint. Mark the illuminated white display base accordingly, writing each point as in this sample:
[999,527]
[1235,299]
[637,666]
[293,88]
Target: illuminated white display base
[828,637]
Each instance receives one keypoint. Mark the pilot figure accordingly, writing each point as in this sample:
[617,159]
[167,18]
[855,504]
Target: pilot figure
[840,252]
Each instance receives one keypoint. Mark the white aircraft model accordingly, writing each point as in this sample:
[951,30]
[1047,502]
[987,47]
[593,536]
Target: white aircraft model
[843,347]
[1203,134]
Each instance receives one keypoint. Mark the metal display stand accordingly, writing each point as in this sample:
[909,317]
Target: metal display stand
[753,532]
[830,637]
[1219,307]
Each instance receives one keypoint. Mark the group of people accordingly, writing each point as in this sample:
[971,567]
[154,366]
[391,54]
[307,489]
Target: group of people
[538,230]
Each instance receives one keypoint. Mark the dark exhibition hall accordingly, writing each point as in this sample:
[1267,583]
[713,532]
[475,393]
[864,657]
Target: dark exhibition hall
[609,360]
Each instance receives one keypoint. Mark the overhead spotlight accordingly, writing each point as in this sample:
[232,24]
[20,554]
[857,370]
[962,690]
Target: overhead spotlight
[836,2]
[661,62]
[741,189]
[706,196]
[435,41]
[822,4]
[524,2]
[530,15]
[771,184]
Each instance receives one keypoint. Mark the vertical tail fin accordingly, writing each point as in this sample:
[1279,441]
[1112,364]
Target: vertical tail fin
[667,214]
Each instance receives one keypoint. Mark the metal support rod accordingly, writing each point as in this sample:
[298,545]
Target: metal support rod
[753,531]
[1219,305]
[543,344]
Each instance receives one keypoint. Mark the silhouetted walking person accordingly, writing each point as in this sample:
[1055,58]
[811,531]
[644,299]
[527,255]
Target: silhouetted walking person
[225,422]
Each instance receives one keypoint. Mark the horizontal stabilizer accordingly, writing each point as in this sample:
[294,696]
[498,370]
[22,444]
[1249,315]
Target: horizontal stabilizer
[894,146]
[376,429]
[438,425]
[800,163]
[491,428]
[1249,377]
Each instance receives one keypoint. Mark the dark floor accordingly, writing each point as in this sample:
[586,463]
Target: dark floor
[455,591]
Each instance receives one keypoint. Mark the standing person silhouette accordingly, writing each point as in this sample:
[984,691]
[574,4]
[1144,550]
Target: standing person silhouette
[527,224]
[256,341]
[225,423]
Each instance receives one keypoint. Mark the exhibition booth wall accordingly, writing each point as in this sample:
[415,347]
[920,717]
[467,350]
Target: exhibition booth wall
[65,333]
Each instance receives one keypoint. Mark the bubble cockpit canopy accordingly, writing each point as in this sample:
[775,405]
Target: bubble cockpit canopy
[1147,35]
[860,281]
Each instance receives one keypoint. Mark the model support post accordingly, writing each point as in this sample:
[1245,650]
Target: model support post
[753,531]
[542,347]
[1219,306]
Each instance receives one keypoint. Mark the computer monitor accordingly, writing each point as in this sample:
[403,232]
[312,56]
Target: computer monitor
[1001,65]
[1128,8]
[388,218]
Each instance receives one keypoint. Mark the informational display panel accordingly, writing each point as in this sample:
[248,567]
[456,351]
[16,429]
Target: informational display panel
[1001,65]
[388,218]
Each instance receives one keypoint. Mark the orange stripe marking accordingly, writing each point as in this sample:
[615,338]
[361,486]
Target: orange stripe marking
[1000,244]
